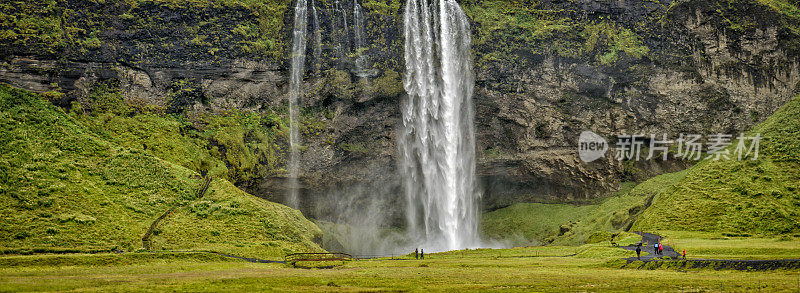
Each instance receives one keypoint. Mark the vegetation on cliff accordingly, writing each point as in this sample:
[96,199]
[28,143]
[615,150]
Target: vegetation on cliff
[144,30]
[64,188]
[508,31]
[236,145]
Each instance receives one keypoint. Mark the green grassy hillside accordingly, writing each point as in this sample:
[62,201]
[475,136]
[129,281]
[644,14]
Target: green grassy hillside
[234,145]
[566,224]
[750,196]
[63,188]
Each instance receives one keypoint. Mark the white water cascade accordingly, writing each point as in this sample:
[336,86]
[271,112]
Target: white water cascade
[358,37]
[295,81]
[340,28]
[437,138]
[317,37]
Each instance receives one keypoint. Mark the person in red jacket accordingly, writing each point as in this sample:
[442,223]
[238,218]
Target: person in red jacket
[660,248]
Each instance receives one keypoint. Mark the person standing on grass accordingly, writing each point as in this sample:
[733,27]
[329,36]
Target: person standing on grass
[684,254]
[416,253]
[422,253]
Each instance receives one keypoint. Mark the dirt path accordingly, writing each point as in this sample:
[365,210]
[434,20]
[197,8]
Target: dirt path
[148,235]
[717,264]
[648,240]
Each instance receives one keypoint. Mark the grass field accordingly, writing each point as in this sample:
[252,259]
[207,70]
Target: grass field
[547,268]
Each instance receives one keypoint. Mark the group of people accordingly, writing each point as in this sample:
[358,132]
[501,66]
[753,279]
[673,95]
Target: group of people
[419,253]
[658,247]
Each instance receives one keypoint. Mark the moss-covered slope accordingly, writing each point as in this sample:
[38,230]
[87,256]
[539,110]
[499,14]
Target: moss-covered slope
[64,188]
[750,196]
[234,145]
[567,224]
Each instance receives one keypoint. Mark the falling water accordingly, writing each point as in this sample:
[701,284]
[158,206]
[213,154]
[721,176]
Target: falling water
[437,140]
[295,81]
[340,27]
[358,37]
[317,36]
[346,27]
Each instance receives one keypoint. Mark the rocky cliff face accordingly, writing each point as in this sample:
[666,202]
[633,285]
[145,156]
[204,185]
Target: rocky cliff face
[686,67]
[545,72]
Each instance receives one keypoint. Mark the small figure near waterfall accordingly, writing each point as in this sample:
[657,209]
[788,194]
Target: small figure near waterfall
[416,253]
[422,253]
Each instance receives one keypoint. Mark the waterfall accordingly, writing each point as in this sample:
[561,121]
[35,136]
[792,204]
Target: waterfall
[295,81]
[437,140]
[340,28]
[358,37]
[339,34]
[317,36]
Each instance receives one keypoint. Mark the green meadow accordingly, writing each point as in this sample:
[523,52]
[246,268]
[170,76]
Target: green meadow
[586,268]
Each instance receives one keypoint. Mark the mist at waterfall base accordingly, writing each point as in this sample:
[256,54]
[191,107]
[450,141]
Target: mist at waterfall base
[369,220]
[434,205]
